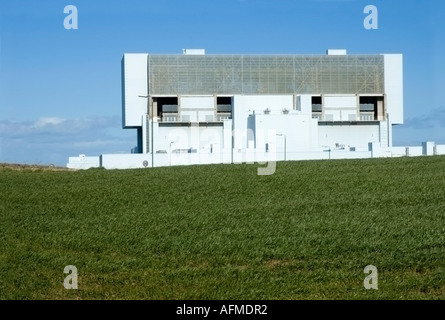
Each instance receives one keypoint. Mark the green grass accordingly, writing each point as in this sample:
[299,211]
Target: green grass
[223,232]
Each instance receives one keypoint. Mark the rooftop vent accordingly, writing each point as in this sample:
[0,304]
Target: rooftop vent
[336,52]
[194,51]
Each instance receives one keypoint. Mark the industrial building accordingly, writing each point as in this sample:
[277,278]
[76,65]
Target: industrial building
[198,108]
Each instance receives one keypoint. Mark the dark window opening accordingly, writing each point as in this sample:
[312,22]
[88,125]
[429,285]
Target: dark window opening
[166,105]
[166,108]
[316,104]
[223,108]
[224,104]
[371,108]
[368,103]
[223,100]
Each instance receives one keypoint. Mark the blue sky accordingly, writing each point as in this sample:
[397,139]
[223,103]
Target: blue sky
[60,90]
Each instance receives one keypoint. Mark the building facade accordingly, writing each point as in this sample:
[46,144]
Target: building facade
[197,108]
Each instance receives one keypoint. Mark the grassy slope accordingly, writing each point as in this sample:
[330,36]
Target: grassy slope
[223,232]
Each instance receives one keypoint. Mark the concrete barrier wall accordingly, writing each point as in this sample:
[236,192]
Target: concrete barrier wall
[440,149]
[83,162]
[250,155]
[415,151]
[126,161]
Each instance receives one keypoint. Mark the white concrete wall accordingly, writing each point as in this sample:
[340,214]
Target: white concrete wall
[197,115]
[353,135]
[227,134]
[132,161]
[245,105]
[134,82]
[394,86]
[340,108]
[291,131]
[126,161]
[415,151]
[306,104]
[428,148]
[251,156]
[440,148]
[340,102]
[83,162]
[178,159]
[197,102]
[400,151]
[198,108]
[350,154]
[206,139]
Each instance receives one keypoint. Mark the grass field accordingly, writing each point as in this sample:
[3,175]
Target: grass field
[223,232]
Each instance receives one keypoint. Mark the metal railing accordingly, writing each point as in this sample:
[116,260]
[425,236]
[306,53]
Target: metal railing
[175,117]
[364,116]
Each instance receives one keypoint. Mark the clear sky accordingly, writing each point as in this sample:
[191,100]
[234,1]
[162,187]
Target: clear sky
[60,90]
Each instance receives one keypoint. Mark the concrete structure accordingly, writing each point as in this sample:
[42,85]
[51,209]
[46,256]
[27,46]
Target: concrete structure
[195,108]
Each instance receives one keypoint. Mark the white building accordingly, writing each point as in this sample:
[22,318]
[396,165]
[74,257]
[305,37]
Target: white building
[197,108]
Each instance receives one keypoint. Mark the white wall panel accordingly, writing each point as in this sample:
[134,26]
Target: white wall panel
[306,104]
[134,82]
[245,105]
[339,102]
[394,86]
[197,102]
[354,135]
